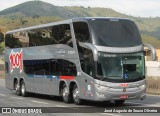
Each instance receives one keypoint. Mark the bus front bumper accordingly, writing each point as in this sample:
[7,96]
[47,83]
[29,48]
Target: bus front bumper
[120,94]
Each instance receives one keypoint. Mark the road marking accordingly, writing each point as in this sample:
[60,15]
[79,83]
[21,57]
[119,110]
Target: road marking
[2,95]
[110,114]
[17,98]
[39,102]
[61,106]
[144,104]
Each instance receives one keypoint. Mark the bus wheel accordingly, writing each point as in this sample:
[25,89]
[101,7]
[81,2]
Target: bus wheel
[119,102]
[65,94]
[17,88]
[23,89]
[75,94]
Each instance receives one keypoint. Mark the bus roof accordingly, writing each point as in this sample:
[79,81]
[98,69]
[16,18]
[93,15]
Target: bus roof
[92,18]
[63,22]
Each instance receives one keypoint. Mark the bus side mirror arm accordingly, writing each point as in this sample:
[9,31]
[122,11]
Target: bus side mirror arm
[153,51]
[91,47]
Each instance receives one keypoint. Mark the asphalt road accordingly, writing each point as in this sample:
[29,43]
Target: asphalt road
[10,99]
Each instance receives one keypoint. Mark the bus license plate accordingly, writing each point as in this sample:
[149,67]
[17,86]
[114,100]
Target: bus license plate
[123,96]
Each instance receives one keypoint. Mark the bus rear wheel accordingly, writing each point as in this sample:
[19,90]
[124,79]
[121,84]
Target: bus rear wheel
[75,95]
[23,89]
[65,94]
[17,88]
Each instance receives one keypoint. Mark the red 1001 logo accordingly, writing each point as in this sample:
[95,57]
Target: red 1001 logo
[16,60]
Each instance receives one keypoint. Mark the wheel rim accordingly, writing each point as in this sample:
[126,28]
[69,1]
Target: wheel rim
[76,95]
[65,94]
[23,89]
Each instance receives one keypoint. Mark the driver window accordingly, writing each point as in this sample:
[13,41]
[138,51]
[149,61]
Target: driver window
[81,32]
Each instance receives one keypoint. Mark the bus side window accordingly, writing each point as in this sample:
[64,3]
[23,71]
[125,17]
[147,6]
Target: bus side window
[32,38]
[61,34]
[65,68]
[21,38]
[81,31]
[8,41]
[86,60]
[11,41]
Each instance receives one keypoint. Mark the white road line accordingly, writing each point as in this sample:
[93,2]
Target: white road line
[61,106]
[144,104]
[39,102]
[2,95]
[110,114]
[17,98]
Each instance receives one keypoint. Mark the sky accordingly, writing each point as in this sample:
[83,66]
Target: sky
[142,8]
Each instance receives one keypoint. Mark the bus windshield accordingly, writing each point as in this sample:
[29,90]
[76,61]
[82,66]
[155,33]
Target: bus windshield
[115,33]
[120,67]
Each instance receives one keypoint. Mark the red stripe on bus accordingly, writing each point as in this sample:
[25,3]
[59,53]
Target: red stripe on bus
[67,77]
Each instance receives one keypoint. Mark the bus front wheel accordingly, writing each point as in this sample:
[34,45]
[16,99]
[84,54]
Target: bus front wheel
[75,94]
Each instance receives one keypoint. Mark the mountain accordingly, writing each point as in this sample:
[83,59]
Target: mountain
[38,12]
[38,8]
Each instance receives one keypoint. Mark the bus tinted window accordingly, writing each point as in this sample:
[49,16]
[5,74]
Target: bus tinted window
[86,60]
[57,67]
[115,33]
[22,39]
[40,37]
[64,67]
[61,34]
[17,40]
[81,31]
[38,67]
[32,38]
[8,41]
[12,42]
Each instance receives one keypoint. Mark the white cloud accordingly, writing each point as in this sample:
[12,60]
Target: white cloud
[133,7]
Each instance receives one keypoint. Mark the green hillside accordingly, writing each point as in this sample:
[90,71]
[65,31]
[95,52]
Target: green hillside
[37,12]
[151,40]
[38,8]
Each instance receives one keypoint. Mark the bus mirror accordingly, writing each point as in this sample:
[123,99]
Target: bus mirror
[153,51]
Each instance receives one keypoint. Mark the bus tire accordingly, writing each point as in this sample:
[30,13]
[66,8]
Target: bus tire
[23,89]
[17,88]
[75,95]
[65,94]
[119,102]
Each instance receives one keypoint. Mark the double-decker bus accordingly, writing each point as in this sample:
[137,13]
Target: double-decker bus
[99,59]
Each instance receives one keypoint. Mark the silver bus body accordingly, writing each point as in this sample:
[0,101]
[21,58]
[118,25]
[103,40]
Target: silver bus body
[42,67]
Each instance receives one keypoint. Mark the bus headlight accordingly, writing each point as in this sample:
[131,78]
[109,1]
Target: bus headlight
[142,86]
